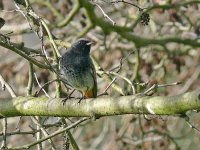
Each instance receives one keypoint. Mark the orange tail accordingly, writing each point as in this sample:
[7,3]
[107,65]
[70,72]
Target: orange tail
[91,93]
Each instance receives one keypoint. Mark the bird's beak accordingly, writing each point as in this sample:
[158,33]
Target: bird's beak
[90,43]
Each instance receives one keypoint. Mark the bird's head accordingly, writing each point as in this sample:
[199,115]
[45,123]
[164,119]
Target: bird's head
[82,46]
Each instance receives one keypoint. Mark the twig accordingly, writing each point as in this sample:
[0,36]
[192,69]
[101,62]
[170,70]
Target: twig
[70,136]
[122,60]
[51,7]
[105,91]
[125,79]
[142,131]
[52,135]
[106,77]
[4,143]
[8,87]
[38,134]
[41,86]
[19,132]
[155,86]
[22,51]
[139,142]
[30,79]
[12,93]
[39,127]
[86,29]
[101,136]
[104,14]
[123,1]
[190,81]
[187,119]
[70,16]
[115,78]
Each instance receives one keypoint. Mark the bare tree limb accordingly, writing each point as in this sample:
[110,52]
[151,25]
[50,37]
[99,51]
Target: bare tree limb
[101,106]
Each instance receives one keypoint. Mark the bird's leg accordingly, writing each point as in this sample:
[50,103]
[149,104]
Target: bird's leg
[68,97]
[81,98]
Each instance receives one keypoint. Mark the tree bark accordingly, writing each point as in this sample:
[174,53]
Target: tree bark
[101,106]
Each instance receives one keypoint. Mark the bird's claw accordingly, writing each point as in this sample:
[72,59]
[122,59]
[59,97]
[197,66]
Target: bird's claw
[65,99]
[80,99]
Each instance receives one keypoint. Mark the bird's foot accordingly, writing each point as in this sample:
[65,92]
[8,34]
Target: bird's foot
[66,98]
[80,99]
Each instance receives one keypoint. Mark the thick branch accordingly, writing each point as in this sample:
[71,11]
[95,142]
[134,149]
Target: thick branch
[102,106]
[22,51]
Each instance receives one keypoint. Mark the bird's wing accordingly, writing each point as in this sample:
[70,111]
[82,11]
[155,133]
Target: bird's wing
[93,91]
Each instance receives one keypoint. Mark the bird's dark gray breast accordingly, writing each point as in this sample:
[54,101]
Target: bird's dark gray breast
[77,70]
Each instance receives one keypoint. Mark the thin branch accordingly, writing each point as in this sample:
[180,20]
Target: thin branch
[70,16]
[115,78]
[70,136]
[104,14]
[106,89]
[22,51]
[155,86]
[20,132]
[39,126]
[12,93]
[106,77]
[125,2]
[125,79]
[30,79]
[52,135]
[41,86]
[4,143]
[122,60]
[187,119]
[190,80]
[51,7]
[9,88]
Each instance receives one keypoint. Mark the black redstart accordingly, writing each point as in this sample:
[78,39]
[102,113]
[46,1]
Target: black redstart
[78,69]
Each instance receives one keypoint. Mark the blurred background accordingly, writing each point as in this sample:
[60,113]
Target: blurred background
[143,66]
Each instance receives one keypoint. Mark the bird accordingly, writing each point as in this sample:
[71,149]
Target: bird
[77,68]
